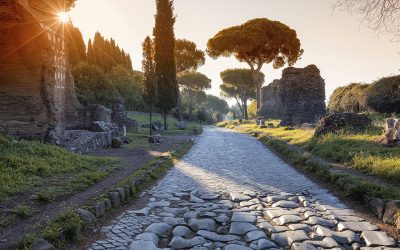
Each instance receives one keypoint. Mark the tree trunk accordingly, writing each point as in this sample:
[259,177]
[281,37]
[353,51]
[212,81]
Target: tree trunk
[240,107]
[190,107]
[165,121]
[245,109]
[257,82]
[180,106]
[151,121]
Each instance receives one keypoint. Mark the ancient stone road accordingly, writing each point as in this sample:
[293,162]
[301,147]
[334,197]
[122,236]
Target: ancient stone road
[230,192]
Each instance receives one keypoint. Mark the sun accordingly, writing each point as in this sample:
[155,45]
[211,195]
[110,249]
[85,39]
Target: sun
[63,17]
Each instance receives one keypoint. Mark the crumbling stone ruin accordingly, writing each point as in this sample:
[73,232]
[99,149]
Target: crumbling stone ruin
[392,132]
[297,98]
[37,90]
[337,121]
[120,117]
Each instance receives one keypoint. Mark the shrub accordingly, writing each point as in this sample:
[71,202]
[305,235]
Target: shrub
[351,98]
[384,95]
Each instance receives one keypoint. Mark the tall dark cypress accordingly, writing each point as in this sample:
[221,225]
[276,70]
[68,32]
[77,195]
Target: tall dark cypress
[165,66]
[149,79]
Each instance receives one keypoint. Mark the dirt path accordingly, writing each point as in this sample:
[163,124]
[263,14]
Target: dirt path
[132,160]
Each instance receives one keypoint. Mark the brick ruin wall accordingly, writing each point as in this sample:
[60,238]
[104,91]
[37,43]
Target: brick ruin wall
[37,92]
[298,97]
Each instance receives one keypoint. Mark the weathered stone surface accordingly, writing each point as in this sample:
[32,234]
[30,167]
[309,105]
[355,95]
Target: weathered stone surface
[115,199]
[297,98]
[174,221]
[285,204]
[320,221]
[391,208]
[148,237]
[41,244]
[142,212]
[217,237]
[287,238]
[302,246]
[99,208]
[182,231]
[265,244]
[196,199]
[143,244]
[286,219]
[236,247]
[274,213]
[345,237]
[203,224]
[237,197]
[374,239]
[356,226]
[377,207]
[86,216]
[337,121]
[254,235]
[327,242]
[241,228]
[179,243]
[304,227]
[158,228]
[243,217]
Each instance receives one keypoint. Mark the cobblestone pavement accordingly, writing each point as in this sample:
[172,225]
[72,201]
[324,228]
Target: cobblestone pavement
[230,192]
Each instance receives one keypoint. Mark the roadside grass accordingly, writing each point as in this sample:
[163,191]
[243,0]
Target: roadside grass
[68,228]
[354,149]
[46,171]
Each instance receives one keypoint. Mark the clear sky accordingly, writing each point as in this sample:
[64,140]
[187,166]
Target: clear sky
[344,50]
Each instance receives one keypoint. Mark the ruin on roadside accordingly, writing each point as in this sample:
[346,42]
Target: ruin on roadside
[37,90]
[297,98]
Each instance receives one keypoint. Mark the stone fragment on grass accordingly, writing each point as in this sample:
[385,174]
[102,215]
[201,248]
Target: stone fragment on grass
[377,207]
[99,208]
[41,244]
[86,216]
[391,208]
[115,199]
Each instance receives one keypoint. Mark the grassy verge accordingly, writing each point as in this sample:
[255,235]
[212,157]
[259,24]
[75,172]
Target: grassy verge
[68,228]
[352,148]
[46,172]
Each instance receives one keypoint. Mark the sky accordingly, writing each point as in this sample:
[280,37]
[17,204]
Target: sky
[336,41]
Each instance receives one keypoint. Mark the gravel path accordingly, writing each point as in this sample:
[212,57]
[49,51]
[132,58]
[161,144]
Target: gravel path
[230,192]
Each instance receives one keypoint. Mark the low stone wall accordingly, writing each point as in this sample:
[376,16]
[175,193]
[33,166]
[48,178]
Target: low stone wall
[83,141]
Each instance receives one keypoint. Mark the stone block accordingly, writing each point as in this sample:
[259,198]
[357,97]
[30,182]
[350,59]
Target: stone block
[86,216]
[377,207]
[391,208]
[115,199]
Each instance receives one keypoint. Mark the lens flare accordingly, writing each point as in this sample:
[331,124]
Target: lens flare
[63,17]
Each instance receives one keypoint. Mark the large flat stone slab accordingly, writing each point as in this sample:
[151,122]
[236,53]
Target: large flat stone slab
[203,224]
[238,197]
[287,238]
[345,237]
[286,219]
[357,226]
[376,239]
[285,204]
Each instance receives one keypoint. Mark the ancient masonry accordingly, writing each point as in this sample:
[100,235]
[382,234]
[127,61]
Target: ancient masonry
[37,90]
[298,97]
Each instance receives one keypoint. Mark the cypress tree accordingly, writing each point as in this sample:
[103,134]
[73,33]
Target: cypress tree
[149,79]
[165,65]
[90,53]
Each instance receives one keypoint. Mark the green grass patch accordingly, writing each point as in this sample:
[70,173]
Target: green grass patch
[357,149]
[32,166]
[354,148]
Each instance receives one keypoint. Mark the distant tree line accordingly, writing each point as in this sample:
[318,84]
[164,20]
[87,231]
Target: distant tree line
[103,72]
[382,96]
